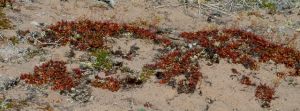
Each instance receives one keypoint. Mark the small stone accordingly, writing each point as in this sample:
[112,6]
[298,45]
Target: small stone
[101,74]
[35,23]
[159,75]
[190,46]
[8,83]
[110,3]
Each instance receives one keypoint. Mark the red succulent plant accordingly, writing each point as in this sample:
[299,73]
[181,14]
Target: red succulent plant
[53,73]
[87,34]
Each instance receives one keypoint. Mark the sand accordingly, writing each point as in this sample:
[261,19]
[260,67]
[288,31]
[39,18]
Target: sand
[217,91]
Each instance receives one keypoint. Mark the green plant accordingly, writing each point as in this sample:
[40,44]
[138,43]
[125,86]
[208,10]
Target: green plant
[102,60]
[5,105]
[146,74]
[268,5]
[141,109]
[14,40]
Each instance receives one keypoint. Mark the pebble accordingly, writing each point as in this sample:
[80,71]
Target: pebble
[8,83]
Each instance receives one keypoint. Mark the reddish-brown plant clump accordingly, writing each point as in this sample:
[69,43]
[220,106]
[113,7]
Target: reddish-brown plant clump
[109,83]
[246,80]
[78,73]
[53,73]
[148,105]
[83,34]
[265,93]
[177,63]
[234,71]
[245,48]
[146,33]
[87,34]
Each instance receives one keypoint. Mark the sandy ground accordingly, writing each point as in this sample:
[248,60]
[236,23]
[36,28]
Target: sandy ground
[218,91]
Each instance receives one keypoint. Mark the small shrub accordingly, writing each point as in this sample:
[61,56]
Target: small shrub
[14,40]
[246,81]
[103,60]
[4,22]
[89,35]
[53,73]
[265,93]
[109,83]
[177,63]
[246,48]
[146,74]
[269,5]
